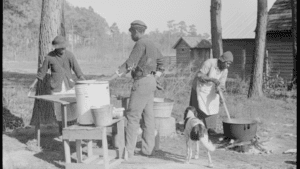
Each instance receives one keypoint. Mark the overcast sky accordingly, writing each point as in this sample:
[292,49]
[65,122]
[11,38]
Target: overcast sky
[156,13]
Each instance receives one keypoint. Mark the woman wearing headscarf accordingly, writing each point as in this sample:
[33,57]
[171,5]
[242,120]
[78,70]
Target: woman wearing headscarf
[204,95]
[61,62]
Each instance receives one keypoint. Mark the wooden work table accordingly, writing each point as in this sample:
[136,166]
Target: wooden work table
[80,132]
[64,100]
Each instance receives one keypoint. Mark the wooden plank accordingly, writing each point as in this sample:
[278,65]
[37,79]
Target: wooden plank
[287,60]
[282,65]
[90,148]
[67,151]
[105,148]
[38,131]
[64,115]
[64,99]
[121,138]
[79,151]
[82,134]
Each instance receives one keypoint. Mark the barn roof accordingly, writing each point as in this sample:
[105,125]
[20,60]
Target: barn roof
[242,23]
[280,16]
[194,42]
[240,26]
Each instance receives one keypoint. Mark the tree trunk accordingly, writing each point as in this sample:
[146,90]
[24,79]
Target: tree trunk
[216,28]
[255,88]
[294,34]
[52,24]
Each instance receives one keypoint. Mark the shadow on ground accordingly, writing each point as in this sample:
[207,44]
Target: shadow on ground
[52,150]
[291,162]
[163,155]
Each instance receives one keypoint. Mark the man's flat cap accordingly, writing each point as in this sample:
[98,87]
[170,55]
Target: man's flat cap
[138,23]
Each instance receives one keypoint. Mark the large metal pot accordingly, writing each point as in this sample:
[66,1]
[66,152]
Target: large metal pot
[240,129]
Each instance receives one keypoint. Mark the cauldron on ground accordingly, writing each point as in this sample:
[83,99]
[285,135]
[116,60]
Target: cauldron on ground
[240,129]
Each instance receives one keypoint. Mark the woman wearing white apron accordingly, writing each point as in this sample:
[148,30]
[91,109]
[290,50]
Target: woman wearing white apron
[61,62]
[204,97]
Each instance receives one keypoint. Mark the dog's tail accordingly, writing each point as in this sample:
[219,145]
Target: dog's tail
[207,143]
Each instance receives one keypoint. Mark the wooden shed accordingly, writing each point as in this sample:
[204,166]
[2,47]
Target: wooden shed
[279,39]
[192,49]
[239,38]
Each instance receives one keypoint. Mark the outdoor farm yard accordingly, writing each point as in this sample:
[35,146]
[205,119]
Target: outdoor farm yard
[275,114]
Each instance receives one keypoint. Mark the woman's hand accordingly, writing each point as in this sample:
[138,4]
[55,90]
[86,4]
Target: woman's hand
[33,85]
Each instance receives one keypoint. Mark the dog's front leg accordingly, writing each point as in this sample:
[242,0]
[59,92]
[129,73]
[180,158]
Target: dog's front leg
[197,149]
[188,151]
[210,164]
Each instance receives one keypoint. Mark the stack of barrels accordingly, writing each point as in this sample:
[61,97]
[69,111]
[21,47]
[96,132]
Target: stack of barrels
[164,123]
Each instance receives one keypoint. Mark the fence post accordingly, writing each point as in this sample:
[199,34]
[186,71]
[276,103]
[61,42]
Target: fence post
[267,67]
[243,62]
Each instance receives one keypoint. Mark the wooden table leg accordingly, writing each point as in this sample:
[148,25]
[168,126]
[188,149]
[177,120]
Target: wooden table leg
[38,131]
[64,116]
[79,151]
[121,137]
[90,148]
[105,148]
[157,140]
[67,151]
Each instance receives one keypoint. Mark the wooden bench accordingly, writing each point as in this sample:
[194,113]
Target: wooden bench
[78,133]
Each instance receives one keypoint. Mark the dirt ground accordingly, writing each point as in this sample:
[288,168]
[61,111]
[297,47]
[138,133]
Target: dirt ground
[22,153]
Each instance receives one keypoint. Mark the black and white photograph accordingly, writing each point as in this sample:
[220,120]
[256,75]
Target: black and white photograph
[149,84]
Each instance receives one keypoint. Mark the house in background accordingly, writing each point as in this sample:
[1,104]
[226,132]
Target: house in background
[280,40]
[192,49]
[239,38]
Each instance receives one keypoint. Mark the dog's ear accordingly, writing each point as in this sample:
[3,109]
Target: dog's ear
[185,113]
[193,109]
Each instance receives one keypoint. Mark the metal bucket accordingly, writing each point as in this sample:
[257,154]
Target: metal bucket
[102,115]
[90,93]
[240,129]
[162,107]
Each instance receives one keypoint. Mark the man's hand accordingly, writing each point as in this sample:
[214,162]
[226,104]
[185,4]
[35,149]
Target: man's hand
[158,86]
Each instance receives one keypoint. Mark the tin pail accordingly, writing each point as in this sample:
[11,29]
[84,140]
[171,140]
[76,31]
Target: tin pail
[102,115]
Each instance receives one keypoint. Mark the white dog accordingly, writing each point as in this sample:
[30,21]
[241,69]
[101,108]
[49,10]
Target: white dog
[195,131]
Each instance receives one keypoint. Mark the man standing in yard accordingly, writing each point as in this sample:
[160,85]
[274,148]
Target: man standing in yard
[204,95]
[145,63]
